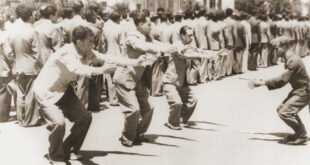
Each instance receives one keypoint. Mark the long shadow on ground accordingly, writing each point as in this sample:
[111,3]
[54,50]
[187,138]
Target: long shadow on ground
[88,155]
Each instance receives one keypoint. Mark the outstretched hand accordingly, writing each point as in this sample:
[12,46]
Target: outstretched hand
[255,83]
[108,68]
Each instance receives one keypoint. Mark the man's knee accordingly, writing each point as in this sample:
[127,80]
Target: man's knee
[283,111]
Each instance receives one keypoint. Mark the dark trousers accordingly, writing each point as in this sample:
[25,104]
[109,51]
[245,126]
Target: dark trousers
[68,106]
[253,52]
[95,89]
[5,99]
[288,112]
[136,108]
[158,69]
[181,101]
[26,106]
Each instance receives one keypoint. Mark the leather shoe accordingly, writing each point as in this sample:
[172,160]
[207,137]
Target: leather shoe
[188,124]
[125,142]
[75,156]
[299,141]
[172,127]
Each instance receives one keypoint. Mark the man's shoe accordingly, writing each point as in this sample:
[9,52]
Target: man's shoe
[141,139]
[288,139]
[125,142]
[57,162]
[172,127]
[299,141]
[75,156]
[188,124]
[53,162]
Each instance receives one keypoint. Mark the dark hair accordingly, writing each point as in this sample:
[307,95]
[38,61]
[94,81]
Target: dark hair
[47,11]
[154,18]
[81,33]
[178,18]
[146,12]
[139,18]
[229,12]
[133,14]
[93,6]
[24,12]
[77,6]
[115,16]
[163,17]
[160,9]
[124,15]
[202,12]
[188,14]
[90,15]
[183,30]
[67,13]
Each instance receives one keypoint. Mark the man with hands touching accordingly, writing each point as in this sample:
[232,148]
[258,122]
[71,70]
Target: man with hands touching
[54,90]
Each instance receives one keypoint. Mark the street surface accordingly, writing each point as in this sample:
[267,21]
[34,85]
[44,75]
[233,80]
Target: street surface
[235,126]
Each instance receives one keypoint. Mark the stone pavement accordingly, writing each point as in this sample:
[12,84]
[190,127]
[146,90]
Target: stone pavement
[235,126]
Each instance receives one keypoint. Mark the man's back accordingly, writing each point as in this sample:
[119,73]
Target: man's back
[24,42]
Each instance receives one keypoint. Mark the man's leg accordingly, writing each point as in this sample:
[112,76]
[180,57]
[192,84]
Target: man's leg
[203,70]
[5,100]
[288,112]
[157,74]
[130,108]
[56,125]
[146,110]
[76,112]
[175,105]
[111,90]
[189,101]
[26,106]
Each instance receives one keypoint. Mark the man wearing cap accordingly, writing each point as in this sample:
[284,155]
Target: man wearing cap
[296,75]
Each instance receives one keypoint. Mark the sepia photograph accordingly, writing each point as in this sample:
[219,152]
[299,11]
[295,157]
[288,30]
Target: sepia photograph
[154,82]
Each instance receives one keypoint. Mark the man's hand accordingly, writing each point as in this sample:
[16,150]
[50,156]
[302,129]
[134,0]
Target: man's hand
[223,52]
[141,60]
[256,83]
[108,68]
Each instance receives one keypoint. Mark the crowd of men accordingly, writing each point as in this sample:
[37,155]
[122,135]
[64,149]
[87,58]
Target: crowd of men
[57,64]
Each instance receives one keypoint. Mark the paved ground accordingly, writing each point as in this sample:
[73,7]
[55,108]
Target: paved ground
[235,126]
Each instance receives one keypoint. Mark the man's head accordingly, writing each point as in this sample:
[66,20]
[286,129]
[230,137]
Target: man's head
[282,44]
[186,34]
[115,17]
[24,12]
[77,7]
[83,39]
[49,12]
[90,15]
[142,24]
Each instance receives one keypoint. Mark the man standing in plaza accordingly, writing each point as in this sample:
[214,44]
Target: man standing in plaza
[24,41]
[295,74]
